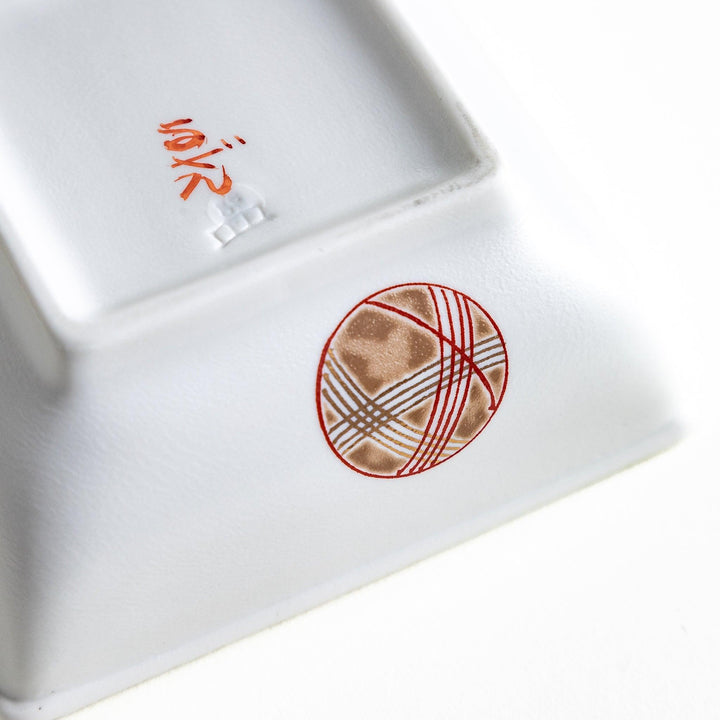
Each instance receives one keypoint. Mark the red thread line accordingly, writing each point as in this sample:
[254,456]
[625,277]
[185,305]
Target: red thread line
[439,388]
[421,323]
[419,465]
[468,381]
[430,461]
[432,458]
[425,442]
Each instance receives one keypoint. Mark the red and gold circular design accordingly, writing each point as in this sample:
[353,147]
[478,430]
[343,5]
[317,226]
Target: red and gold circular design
[410,376]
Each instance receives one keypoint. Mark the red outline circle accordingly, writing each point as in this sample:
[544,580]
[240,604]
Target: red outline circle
[318,382]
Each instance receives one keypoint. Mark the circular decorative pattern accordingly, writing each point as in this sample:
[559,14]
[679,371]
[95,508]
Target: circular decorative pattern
[410,376]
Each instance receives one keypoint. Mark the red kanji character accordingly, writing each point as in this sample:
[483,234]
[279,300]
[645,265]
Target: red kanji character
[192,162]
[195,179]
[188,138]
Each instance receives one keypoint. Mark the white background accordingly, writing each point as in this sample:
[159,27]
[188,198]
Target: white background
[605,604]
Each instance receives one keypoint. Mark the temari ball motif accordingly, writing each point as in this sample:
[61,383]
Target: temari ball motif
[410,376]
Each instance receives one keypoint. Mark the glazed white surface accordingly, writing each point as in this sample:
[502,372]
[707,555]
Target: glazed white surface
[340,125]
[603,605]
[423,647]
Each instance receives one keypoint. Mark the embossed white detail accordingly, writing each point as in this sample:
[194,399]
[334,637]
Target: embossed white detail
[236,213]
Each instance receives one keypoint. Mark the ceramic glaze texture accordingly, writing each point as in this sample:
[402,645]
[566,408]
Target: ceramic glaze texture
[187,428]
[409,378]
[321,92]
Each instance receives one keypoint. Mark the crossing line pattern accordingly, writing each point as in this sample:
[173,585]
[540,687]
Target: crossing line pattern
[409,378]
